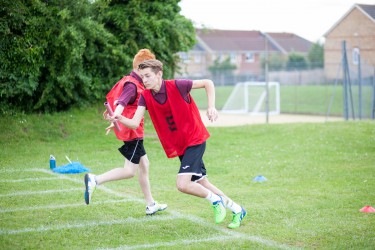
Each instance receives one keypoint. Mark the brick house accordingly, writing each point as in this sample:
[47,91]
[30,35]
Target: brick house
[357,28]
[245,50]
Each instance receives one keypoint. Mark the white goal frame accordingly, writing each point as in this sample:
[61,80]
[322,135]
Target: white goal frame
[256,109]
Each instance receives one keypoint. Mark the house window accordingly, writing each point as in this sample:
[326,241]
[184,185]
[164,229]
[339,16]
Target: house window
[355,55]
[249,57]
[184,57]
[197,58]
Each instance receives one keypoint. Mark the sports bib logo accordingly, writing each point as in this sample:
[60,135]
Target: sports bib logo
[171,123]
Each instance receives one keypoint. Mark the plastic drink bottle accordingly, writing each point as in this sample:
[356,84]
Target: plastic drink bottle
[52,162]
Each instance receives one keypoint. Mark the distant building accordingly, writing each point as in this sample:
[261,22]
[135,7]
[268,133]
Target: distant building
[245,50]
[357,28]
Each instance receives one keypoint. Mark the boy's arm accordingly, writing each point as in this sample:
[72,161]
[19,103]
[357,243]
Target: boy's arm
[130,123]
[210,92]
[119,109]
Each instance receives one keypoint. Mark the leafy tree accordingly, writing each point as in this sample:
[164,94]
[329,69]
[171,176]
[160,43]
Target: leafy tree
[296,62]
[21,52]
[156,25]
[60,53]
[275,62]
[54,54]
[316,56]
[221,68]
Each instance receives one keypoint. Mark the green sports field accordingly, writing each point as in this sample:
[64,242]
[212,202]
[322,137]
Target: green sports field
[318,178]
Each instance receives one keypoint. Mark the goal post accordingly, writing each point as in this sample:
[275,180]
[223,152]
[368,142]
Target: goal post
[250,98]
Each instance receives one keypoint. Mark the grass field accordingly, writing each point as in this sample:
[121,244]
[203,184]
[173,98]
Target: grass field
[318,177]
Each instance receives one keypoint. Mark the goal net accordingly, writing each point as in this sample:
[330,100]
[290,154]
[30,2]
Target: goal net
[250,98]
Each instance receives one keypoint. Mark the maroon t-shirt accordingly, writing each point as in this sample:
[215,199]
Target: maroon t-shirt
[183,85]
[129,92]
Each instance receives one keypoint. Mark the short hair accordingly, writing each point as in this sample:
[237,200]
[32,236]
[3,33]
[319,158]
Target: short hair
[142,55]
[154,64]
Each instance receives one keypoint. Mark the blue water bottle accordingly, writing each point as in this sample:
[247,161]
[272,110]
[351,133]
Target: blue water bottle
[52,162]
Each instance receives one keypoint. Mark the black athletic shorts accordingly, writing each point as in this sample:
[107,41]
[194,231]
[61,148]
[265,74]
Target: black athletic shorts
[192,162]
[133,150]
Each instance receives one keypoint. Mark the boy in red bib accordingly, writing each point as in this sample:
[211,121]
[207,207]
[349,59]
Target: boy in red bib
[123,99]
[182,133]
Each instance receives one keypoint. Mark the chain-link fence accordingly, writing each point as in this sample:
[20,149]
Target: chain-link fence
[346,88]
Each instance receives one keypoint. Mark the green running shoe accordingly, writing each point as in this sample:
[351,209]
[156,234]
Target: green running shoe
[219,210]
[237,218]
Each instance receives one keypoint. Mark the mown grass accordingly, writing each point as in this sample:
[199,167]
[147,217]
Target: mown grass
[319,176]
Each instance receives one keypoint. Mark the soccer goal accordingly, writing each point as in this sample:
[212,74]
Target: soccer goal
[250,98]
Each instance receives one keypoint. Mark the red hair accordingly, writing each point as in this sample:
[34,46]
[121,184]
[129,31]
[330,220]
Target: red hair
[141,56]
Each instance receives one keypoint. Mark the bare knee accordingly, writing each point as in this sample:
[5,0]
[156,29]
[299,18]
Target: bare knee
[182,185]
[131,173]
[130,169]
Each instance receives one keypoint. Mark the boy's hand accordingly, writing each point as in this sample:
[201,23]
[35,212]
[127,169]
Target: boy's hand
[108,129]
[105,114]
[212,114]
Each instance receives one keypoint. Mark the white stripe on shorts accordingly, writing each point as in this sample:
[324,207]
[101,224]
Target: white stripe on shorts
[134,151]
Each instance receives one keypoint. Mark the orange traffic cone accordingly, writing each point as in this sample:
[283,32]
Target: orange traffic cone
[367,209]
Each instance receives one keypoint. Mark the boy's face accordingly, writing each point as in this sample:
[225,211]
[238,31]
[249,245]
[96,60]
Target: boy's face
[149,78]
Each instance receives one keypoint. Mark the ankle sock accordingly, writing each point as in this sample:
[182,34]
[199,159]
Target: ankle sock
[213,197]
[234,207]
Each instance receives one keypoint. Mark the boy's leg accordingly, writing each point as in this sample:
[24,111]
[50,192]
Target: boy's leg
[207,184]
[144,181]
[128,150]
[191,171]
[185,185]
[238,212]
[91,180]
[128,171]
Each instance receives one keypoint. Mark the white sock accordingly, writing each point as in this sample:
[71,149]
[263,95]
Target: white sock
[212,197]
[96,182]
[234,207]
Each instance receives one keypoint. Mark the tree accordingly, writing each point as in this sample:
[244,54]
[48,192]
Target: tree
[156,25]
[221,69]
[59,53]
[316,55]
[54,54]
[296,62]
[275,62]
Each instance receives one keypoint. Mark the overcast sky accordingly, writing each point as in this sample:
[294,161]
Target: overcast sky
[310,19]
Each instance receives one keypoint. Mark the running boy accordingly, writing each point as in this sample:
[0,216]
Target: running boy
[182,133]
[123,99]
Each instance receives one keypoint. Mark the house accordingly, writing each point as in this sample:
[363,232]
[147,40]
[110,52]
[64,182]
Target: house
[244,49]
[357,28]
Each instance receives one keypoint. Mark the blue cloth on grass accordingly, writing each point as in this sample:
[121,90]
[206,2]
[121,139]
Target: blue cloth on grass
[71,168]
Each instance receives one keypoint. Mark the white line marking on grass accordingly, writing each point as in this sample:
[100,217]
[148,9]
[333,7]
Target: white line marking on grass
[175,215]
[128,221]
[49,207]
[14,170]
[233,233]
[101,187]
[21,193]
[30,179]
[171,243]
